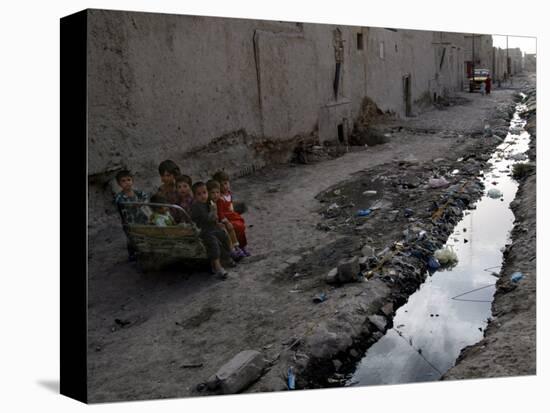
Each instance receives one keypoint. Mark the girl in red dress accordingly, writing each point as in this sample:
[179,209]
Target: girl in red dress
[226,211]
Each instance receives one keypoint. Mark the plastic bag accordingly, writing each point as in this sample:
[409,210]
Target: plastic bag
[494,193]
[446,256]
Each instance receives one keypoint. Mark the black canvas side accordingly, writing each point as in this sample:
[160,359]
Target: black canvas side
[73,260]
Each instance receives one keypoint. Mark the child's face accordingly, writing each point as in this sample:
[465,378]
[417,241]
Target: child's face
[167,178]
[201,194]
[126,183]
[184,188]
[214,194]
[225,187]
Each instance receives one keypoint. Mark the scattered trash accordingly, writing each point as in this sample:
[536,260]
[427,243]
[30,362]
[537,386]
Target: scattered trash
[380,204]
[446,256]
[518,157]
[433,263]
[408,212]
[319,298]
[332,206]
[363,212]
[455,171]
[438,183]
[494,193]
[336,192]
[370,192]
[516,276]
[291,379]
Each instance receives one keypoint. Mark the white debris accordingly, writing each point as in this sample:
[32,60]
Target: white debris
[494,193]
[370,192]
[411,158]
[446,256]
[332,206]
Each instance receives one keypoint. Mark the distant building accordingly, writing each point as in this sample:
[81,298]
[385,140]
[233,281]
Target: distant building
[515,60]
[530,62]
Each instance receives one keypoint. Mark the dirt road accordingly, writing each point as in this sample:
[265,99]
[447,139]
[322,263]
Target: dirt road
[145,330]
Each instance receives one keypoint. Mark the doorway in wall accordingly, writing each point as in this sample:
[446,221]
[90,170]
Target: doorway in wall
[341,137]
[407,94]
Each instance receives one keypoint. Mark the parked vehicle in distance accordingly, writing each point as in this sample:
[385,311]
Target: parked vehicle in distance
[480,75]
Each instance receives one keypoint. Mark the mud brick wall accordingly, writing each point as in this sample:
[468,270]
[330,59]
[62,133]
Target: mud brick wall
[213,93]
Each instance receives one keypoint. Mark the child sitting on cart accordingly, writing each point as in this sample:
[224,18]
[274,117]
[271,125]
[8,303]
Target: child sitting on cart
[185,197]
[161,216]
[214,238]
[226,210]
[168,171]
[214,195]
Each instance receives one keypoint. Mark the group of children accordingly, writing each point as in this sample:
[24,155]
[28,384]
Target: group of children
[209,205]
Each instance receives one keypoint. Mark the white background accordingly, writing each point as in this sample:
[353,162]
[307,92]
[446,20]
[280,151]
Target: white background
[29,207]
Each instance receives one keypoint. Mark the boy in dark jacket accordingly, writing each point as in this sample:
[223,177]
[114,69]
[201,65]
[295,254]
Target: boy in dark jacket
[129,214]
[215,240]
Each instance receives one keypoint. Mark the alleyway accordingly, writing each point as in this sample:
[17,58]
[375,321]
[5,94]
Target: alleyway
[170,321]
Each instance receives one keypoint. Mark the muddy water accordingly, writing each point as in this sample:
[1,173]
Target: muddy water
[451,309]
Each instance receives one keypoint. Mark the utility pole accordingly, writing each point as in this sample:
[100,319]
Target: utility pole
[507,61]
[473,83]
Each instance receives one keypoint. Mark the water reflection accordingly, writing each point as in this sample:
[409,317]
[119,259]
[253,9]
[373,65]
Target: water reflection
[451,309]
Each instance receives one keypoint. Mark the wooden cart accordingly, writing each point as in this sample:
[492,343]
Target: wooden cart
[159,246]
